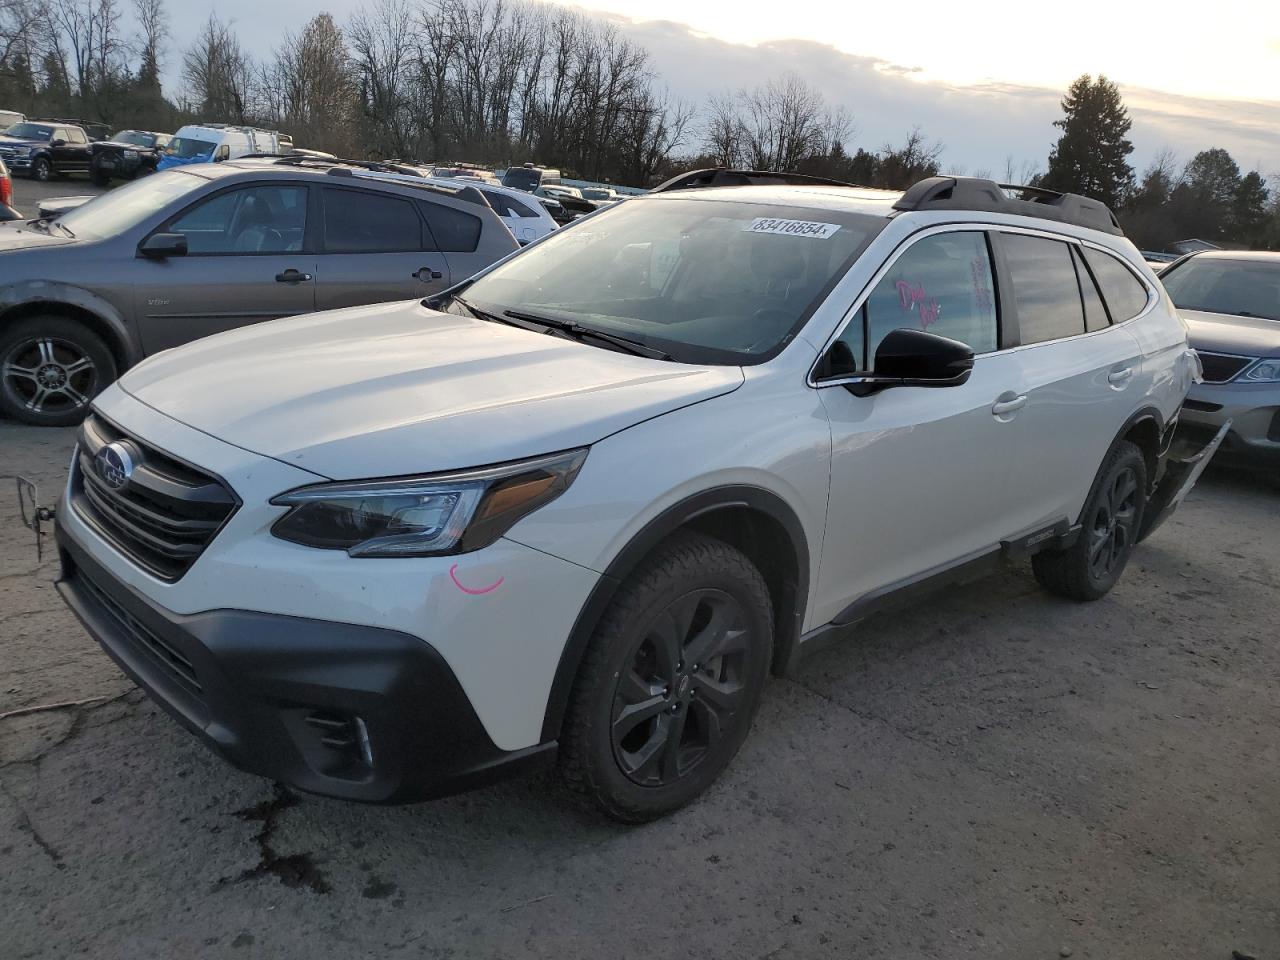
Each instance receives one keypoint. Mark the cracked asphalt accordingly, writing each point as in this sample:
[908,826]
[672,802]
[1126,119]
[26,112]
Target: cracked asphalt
[994,773]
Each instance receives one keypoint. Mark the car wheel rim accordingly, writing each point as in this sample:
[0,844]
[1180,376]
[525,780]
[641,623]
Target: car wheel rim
[1111,534]
[682,688]
[49,375]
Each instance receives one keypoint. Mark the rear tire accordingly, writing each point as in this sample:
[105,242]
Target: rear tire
[1109,526]
[670,681]
[51,367]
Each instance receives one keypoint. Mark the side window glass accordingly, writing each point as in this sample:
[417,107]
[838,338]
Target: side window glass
[454,231]
[222,153]
[359,222]
[1044,287]
[263,219]
[1095,314]
[942,284]
[1124,293]
[519,209]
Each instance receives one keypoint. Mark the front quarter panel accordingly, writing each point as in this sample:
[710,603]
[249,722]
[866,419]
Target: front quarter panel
[772,434]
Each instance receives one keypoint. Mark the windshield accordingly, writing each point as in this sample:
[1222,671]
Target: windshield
[522,178]
[112,213]
[186,147]
[133,137]
[1246,288]
[703,281]
[29,131]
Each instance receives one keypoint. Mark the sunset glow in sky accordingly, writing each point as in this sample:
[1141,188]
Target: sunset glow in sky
[1226,48]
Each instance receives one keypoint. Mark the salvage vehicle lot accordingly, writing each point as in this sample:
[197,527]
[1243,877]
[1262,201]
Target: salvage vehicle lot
[27,194]
[996,772]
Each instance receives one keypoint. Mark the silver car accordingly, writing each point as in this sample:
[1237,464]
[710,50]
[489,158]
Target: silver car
[209,247]
[1230,303]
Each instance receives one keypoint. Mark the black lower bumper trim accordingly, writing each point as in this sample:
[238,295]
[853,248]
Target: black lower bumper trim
[348,711]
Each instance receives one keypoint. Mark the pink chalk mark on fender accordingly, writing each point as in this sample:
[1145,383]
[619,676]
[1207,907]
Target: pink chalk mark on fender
[453,575]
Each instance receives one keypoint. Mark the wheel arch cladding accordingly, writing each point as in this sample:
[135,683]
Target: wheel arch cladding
[1145,430]
[754,520]
[89,310]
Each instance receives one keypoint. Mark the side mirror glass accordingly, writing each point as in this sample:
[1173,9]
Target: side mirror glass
[910,358]
[158,246]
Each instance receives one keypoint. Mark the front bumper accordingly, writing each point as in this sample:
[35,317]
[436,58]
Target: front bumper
[1253,409]
[357,712]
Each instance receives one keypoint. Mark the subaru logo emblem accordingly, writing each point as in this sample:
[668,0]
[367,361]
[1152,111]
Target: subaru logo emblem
[114,465]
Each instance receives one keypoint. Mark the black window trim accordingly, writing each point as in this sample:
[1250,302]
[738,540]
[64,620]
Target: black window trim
[426,242]
[230,188]
[856,311]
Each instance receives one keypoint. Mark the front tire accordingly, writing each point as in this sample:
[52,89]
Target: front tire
[51,367]
[98,177]
[1109,528]
[41,169]
[670,681]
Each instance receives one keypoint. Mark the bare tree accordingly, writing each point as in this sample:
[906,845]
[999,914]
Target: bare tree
[218,73]
[153,30]
[309,87]
[382,41]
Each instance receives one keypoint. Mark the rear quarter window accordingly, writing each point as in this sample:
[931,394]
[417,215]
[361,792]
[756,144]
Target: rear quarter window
[1125,294]
[454,231]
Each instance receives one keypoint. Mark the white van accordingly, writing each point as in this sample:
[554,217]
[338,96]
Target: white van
[214,142]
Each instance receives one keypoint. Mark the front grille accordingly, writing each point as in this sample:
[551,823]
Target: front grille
[1221,367]
[7,153]
[163,515]
[164,654]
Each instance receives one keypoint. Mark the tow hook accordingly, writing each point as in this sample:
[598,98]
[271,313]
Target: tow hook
[34,516]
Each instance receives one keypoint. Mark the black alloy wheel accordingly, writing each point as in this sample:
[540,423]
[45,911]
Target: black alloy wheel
[683,684]
[1113,529]
[670,681]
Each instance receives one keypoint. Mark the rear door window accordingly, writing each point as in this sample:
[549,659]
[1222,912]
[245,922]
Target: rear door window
[942,284]
[1045,287]
[453,230]
[1125,294]
[357,221]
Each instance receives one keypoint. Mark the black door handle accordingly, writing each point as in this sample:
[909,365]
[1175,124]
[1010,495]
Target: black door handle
[426,273]
[292,276]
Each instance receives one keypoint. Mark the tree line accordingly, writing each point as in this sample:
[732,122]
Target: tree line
[509,81]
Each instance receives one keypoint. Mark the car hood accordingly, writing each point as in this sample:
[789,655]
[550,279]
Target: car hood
[20,142]
[398,389]
[1226,333]
[22,236]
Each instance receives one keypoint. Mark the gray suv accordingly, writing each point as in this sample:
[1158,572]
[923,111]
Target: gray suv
[208,247]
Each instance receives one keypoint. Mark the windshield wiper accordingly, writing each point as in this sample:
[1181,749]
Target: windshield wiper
[484,314]
[578,332]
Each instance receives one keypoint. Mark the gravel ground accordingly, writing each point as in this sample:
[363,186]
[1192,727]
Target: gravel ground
[27,193]
[995,773]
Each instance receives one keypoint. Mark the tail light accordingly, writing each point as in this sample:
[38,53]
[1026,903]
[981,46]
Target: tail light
[6,188]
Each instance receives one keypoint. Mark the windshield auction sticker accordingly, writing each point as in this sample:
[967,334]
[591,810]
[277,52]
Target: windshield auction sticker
[792,228]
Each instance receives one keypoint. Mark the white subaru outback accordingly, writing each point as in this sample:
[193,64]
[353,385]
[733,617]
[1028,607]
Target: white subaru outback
[583,504]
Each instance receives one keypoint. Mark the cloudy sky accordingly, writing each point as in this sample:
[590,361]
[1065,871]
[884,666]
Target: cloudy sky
[983,78]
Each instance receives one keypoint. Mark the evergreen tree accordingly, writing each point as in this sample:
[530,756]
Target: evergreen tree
[1091,156]
[1249,208]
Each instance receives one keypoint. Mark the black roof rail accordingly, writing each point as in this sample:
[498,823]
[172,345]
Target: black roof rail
[337,167]
[987,196]
[726,177]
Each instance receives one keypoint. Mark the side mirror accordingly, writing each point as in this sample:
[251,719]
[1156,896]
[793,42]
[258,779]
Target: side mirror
[915,358]
[57,143]
[159,246]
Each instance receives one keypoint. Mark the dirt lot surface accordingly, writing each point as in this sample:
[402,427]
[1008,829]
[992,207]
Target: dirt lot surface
[28,193]
[994,774]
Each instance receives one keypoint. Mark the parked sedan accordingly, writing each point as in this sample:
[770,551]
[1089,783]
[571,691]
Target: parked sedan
[208,247]
[1230,303]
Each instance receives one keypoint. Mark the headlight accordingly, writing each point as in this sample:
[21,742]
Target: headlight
[422,516]
[1264,371]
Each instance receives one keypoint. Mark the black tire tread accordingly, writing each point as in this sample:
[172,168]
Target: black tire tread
[1066,572]
[680,558]
[56,325]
